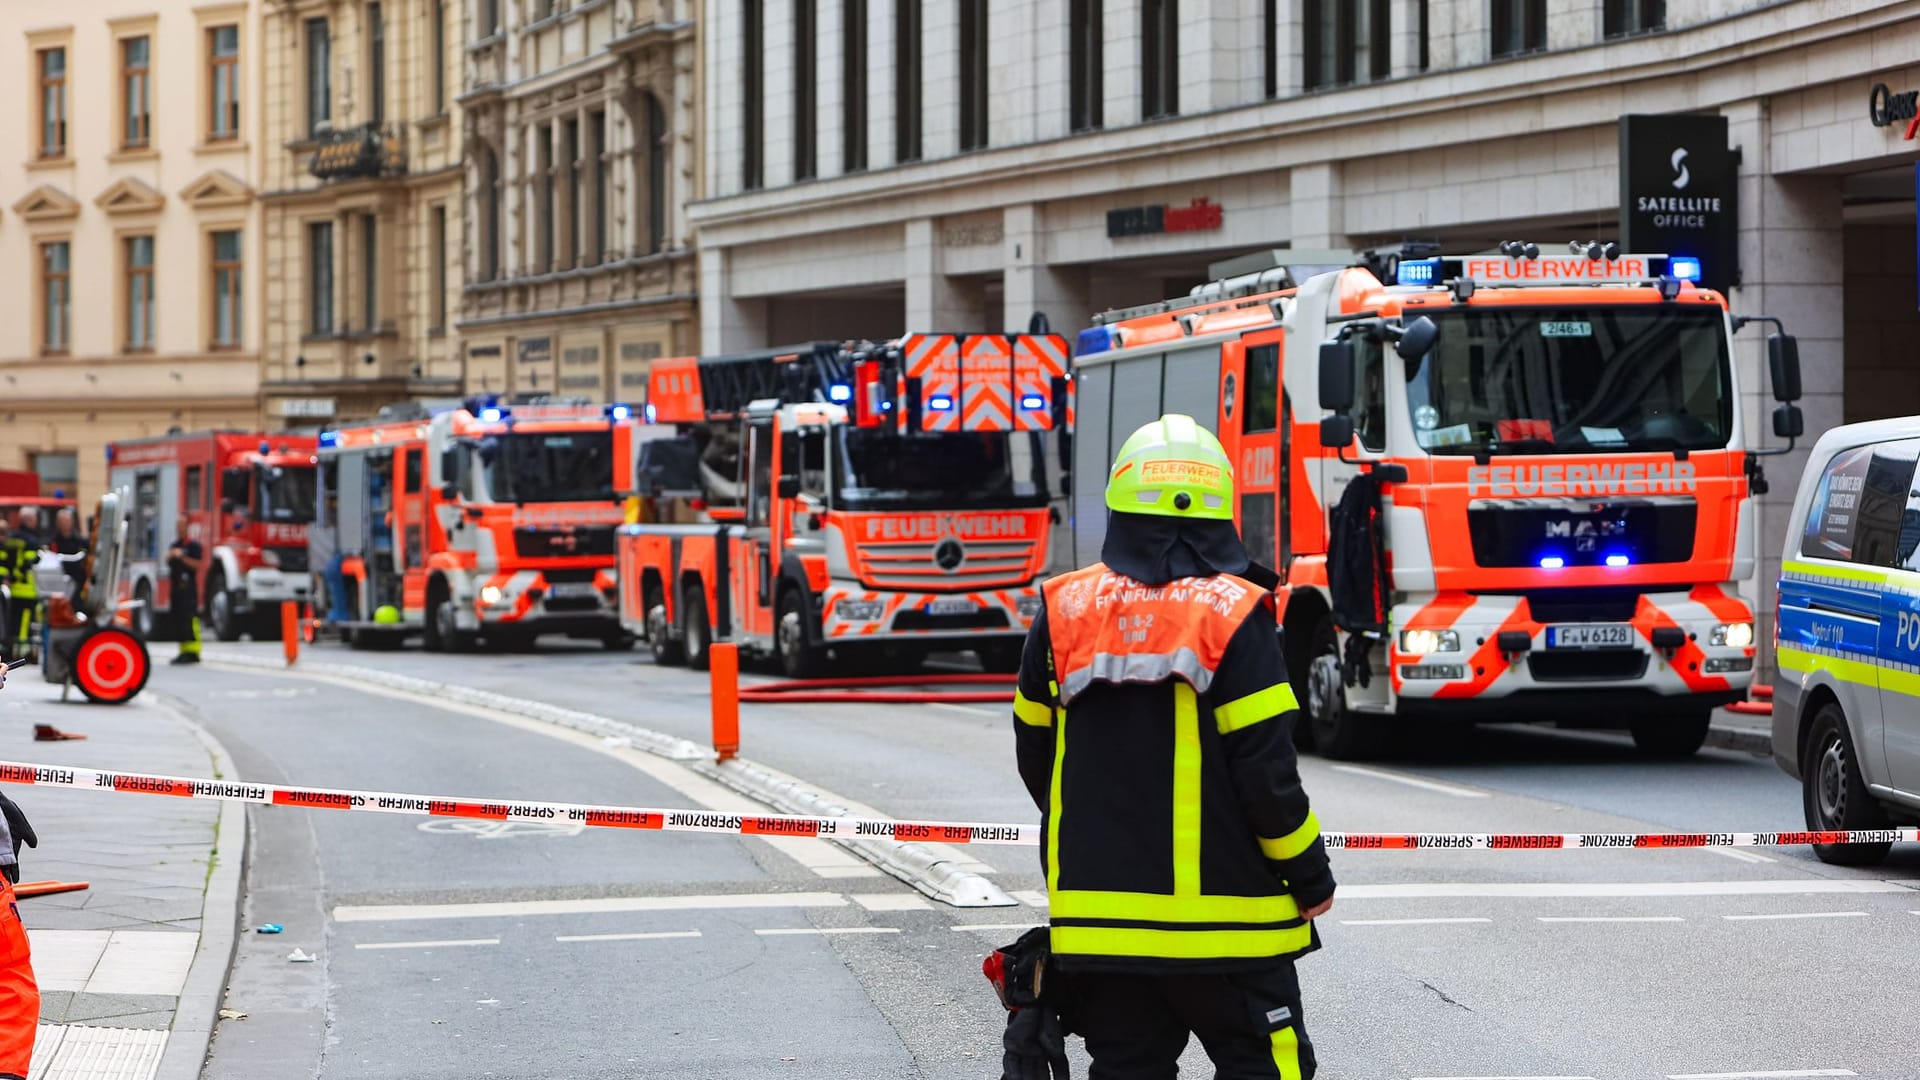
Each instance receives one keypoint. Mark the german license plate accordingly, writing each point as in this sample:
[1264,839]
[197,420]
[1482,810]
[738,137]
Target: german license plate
[951,607]
[1592,636]
[574,589]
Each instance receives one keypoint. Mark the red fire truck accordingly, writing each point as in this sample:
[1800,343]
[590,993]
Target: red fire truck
[247,497]
[479,519]
[865,501]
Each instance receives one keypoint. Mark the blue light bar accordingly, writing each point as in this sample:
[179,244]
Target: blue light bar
[651,413]
[265,448]
[1618,560]
[940,403]
[327,438]
[1094,339]
[492,415]
[1552,562]
[1684,267]
[1418,272]
[839,392]
[1033,401]
[619,412]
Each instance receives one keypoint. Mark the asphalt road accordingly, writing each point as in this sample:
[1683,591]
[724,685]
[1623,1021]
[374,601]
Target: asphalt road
[664,955]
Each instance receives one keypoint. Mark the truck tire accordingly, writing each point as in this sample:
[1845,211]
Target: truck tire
[793,637]
[221,618]
[1338,732]
[1835,795]
[696,632]
[667,649]
[442,631]
[1672,735]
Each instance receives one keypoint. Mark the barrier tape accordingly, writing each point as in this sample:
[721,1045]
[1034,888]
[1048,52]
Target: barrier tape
[847,828]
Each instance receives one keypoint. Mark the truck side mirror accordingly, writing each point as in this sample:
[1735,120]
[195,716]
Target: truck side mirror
[450,461]
[449,491]
[1788,423]
[1336,431]
[789,487]
[1417,338]
[1783,358]
[1336,378]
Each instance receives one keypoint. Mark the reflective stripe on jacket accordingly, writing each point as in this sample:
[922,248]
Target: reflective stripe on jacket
[1154,728]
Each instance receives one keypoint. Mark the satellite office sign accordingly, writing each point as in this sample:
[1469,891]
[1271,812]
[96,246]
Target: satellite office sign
[1679,185]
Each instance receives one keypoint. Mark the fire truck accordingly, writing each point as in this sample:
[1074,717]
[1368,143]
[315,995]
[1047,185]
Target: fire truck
[1553,470]
[459,521]
[869,502]
[247,497]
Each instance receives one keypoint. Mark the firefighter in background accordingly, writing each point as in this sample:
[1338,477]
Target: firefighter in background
[186,559]
[1154,730]
[19,550]
[19,991]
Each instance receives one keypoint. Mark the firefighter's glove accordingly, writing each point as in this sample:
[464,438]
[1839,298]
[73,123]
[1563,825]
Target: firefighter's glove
[22,833]
[1036,1046]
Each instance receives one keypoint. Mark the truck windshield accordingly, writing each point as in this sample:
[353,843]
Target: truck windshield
[551,466]
[1584,380]
[875,470]
[287,493]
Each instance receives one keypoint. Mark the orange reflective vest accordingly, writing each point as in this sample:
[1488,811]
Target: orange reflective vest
[1177,833]
[19,992]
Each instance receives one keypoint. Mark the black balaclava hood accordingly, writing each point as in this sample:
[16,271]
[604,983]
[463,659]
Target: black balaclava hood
[1154,549]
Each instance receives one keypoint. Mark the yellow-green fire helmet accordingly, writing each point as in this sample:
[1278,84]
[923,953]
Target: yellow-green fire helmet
[386,615]
[1174,468]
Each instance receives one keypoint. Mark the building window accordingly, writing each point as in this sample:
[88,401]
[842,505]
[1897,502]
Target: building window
[1346,42]
[853,85]
[486,18]
[319,76]
[1519,26]
[320,278]
[806,83]
[437,236]
[223,81]
[53,103]
[56,292]
[376,65]
[906,80]
[137,254]
[369,272]
[136,83]
[1425,62]
[1159,58]
[545,191]
[227,316]
[659,145]
[576,191]
[1623,17]
[1086,33]
[489,194]
[973,74]
[437,41]
[753,93]
[600,166]
[1270,48]
[59,471]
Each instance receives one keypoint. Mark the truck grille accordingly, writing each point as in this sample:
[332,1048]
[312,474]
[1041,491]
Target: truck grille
[1583,534]
[1597,665]
[559,543]
[945,565]
[993,619]
[292,559]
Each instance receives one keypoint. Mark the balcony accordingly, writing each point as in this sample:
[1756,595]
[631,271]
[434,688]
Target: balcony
[365,152]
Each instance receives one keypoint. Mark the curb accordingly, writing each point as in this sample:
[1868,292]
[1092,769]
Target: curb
[1744,740]
[912,863]
[200,998]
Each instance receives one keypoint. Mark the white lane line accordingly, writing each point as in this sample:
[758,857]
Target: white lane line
[428,944]
[1503,1078]
[788,932]
[1737,855]
[1410,781]
[999,927]
[1799,915]
[1787,1074]
[1548,889]
[655,935]
[1408,922]
[1609,918]
[892,902]
[510,909]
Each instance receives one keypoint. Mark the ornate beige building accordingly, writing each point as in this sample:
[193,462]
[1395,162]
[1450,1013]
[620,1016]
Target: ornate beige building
[130,238]
[363,220]
[582,150]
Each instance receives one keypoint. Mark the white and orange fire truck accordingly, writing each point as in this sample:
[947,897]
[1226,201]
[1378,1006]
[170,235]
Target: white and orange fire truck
[479,519]
[1556,509]
[248,498]
[872,502]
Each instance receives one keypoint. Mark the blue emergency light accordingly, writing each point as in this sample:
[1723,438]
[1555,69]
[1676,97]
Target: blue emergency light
[1618,560]
[1552,562]
[1033,401]
[650,412]
[940,403]
[1094,339]
[329,438]
[619,412]
[1418,272]
[839,392]
[1684,268]
[492,415]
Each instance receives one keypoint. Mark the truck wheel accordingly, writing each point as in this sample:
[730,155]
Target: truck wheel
[667,651]
[220,616]
[111,665]
[799,656]
[1835,795]
[696,632]
[1338,732]
[1672,735]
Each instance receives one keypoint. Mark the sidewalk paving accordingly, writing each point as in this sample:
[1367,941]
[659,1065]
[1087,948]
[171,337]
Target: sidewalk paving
[116,962]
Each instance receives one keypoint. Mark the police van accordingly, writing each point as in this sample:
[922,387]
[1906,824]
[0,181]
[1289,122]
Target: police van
[1846,707]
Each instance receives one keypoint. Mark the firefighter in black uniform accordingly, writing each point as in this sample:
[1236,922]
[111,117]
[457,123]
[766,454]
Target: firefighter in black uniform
[1154,727]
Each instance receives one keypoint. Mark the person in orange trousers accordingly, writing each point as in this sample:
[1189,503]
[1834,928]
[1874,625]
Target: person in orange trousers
[19,991]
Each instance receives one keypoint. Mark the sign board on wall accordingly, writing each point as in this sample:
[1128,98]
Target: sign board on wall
[1200,215]
[533,365]
[319,408]
[1679,188]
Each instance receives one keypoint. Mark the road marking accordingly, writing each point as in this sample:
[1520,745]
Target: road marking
[1037,898]
[1408,922]
[1799,915]
[628,937]
[1410,781]
[1000,927]
[892,902]
[1609,918]
[1737,855]
[496,830]
[829,930]
[510,909]
[428,944]
[1784,1075]
[1554,889]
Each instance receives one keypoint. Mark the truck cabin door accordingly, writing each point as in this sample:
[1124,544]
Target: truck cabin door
[382,555]
[752,554]
[411,517]
[1251,428]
